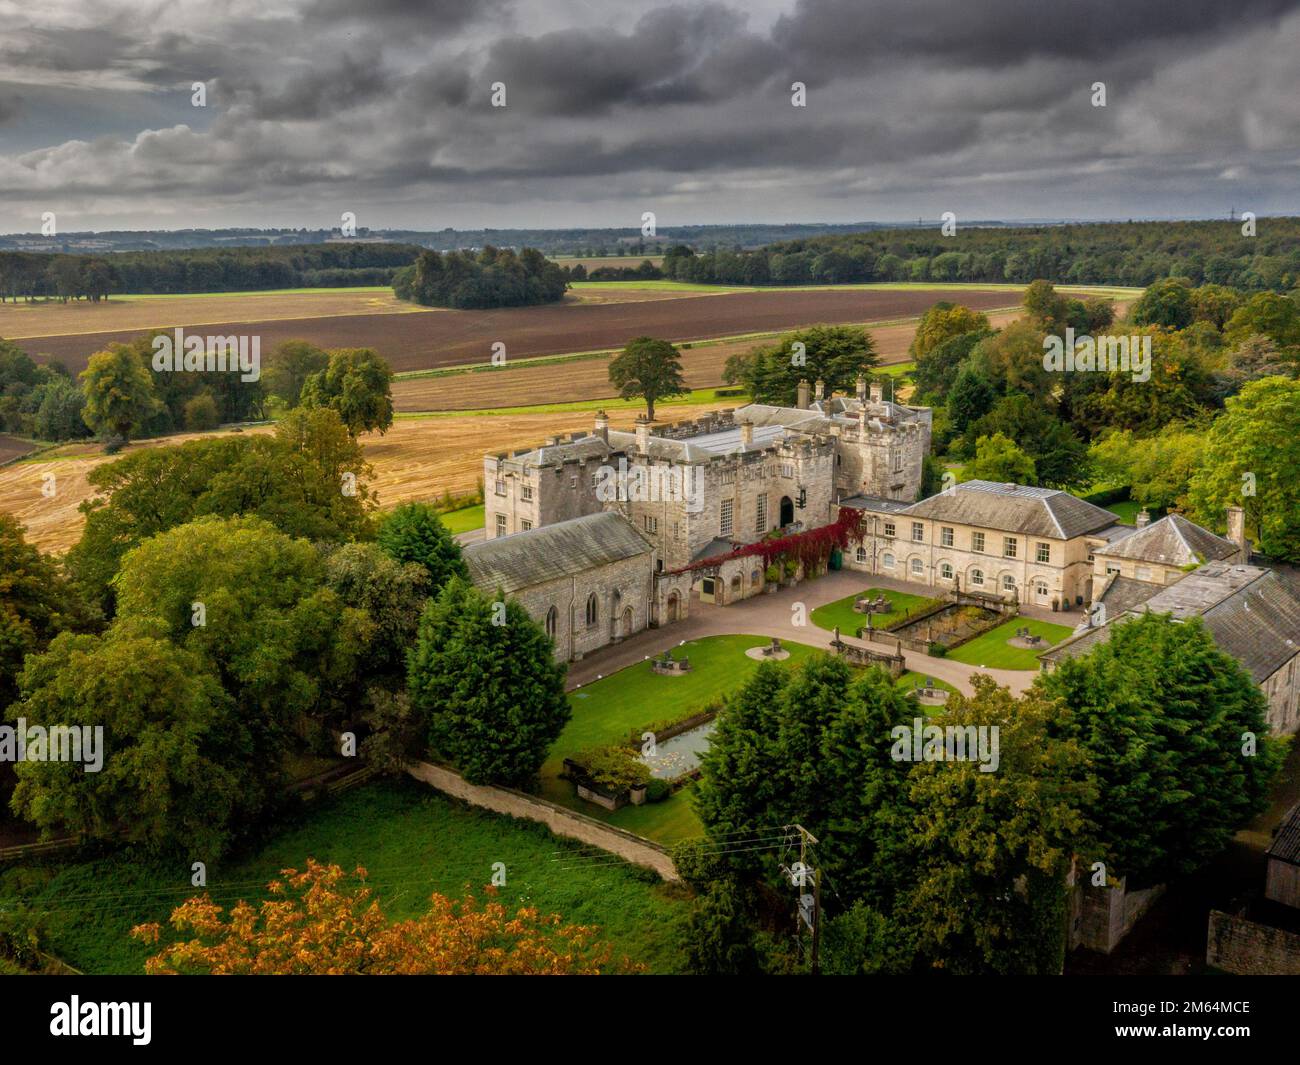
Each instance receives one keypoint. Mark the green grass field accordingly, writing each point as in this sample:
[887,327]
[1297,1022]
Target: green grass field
[841,613]
[696,396]
[609,710]
[1116,291]
[464,520]
[411,841]
[992,650]
[134,296]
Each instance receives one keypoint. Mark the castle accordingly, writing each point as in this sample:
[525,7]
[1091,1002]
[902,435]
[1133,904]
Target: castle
[697,490]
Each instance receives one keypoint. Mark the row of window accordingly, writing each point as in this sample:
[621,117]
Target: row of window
[946,573]
[1010,544]
[591,614]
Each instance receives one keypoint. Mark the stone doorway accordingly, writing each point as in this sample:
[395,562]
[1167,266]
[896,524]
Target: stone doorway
[787,511]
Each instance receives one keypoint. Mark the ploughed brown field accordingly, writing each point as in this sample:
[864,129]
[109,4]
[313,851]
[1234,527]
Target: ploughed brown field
[11,447]
[449,338]
[586,379]
[418,459]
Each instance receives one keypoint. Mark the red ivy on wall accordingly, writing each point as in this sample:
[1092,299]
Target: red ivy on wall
[811,547]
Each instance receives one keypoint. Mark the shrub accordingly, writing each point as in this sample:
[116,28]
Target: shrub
[613,768]
[201,413]
[772,573]
[937,650]
[657,790]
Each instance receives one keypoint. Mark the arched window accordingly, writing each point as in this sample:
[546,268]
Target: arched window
[945,570]
[552,622]
[1008,583]
[918,567]
[862,553]
[977,577]
[1040,589]
[888,560]
[592,610]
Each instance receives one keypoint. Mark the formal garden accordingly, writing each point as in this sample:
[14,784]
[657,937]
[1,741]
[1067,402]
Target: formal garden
[1003,648]
[616,710]
[840,614]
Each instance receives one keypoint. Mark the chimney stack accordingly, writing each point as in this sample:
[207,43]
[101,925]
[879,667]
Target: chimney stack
[802,391]
[862,388]
[746,433]
[877,392]
[602,425]
[1143,518]
[820,386]
[643,434]
[1237,533]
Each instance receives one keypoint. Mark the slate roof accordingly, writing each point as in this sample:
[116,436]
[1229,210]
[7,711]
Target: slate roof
[876,504]
[1124,593]
[567,548]
[1014,508]
[719,545]
[588,447]
[1286,843]
[1252,613]
[1171,541]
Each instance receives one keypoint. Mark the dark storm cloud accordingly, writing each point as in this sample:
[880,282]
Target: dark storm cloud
[671,56]
[980,106]
[849,34]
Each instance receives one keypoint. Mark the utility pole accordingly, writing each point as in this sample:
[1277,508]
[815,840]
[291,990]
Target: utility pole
[809,906]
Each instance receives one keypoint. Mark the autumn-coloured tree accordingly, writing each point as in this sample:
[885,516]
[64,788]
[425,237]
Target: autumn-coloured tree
[326,922]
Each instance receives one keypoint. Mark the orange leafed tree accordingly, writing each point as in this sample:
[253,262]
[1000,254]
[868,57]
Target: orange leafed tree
[326,922]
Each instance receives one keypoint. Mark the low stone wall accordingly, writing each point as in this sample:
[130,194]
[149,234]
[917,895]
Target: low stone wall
[561,821]
[1239,945]
[862,656]
[1103,916]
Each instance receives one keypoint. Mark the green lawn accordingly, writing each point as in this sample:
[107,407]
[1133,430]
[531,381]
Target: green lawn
[411,841]
[910,681]
[608,710]
[841,613]
[993,651]
[464,520]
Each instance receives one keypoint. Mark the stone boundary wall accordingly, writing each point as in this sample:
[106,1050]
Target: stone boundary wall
[1236,944]
[561,821]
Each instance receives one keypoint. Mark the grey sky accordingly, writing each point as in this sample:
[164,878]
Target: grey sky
[382,107]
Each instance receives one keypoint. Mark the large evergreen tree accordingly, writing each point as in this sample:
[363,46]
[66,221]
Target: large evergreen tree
[484,676]
[1176,736]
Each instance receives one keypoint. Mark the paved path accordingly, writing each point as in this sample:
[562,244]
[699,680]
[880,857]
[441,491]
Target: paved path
[771,615]
[471,537]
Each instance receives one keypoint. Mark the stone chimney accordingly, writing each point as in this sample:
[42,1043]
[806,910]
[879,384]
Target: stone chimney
[820,387]
[1237,532]
[1143,518]
[746,433]
[862,388]
[643,434]
[802,392]
[877,392]
[602,425]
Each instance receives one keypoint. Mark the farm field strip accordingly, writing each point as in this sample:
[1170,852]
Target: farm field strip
[424,338]
[587,378]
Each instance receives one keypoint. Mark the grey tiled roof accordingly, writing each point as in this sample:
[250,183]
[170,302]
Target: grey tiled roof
[1125,593]
[524,559]
[1252,613]
[1286,844]
[876,504]
[1014,508]
[1171,541]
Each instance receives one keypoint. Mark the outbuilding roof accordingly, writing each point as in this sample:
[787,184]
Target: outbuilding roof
[567,548]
